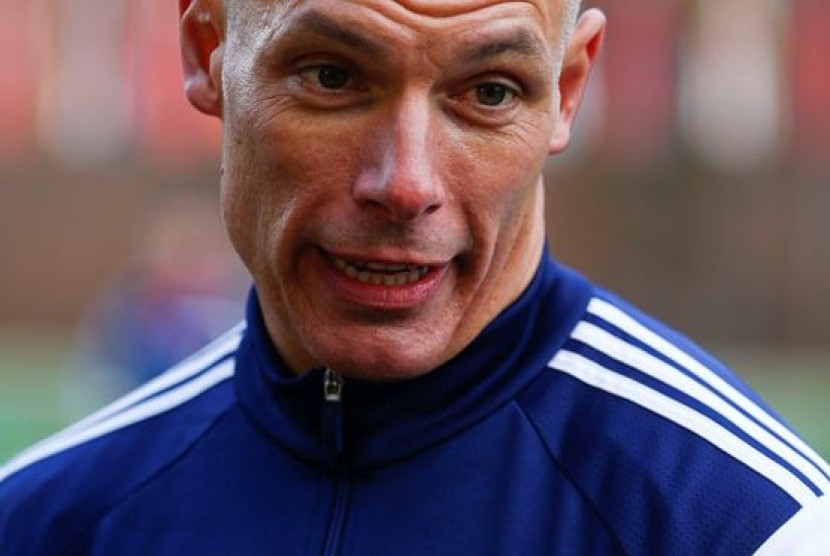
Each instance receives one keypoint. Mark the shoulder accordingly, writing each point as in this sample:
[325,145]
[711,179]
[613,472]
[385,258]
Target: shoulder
[55,491]
[669,445]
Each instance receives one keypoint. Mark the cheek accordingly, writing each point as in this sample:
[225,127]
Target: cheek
[498,178]
[254,187]
[242,222]
[281,175]
[290,148]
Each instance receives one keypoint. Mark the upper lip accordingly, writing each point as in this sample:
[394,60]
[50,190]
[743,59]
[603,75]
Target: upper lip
[385,259]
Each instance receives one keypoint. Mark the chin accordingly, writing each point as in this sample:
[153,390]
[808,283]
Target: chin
[383,367]
[375,351]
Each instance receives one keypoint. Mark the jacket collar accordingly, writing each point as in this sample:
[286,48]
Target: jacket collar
[383,422]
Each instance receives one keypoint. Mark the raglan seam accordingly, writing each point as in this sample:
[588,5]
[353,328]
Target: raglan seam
[558,464]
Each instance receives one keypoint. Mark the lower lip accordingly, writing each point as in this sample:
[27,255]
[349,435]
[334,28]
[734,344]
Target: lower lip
[380,296]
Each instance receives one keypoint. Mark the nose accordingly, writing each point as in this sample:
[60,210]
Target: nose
[401,178]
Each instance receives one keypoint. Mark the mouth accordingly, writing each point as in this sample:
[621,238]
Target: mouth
[381,273]
[383,283]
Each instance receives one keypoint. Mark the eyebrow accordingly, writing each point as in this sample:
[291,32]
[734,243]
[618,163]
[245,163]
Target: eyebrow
[325,26]
[520,42]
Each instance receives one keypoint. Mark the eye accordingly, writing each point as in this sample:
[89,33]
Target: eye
[493,94]
[332,77]
[326,76]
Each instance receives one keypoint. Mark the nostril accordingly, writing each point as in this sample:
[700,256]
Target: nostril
[398,194]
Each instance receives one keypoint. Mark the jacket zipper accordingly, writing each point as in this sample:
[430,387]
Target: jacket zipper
[333,430]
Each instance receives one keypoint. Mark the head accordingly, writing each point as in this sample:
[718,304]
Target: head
[382,162]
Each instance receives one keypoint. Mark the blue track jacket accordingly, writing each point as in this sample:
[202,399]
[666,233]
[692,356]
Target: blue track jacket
[573,425]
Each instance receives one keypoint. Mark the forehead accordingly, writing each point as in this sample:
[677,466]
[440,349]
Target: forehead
[455,20]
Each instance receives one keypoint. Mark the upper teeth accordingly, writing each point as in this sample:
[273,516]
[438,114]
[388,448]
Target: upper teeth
[382,273]
[383,267]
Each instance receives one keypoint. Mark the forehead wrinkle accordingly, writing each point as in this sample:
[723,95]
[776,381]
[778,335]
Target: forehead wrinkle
[449,8]
[283,17]
[318,23]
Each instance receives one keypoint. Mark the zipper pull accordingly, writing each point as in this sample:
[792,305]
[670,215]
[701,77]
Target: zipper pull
[332,386]
[333,433]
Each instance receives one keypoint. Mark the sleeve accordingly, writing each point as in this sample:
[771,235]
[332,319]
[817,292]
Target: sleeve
[807,533]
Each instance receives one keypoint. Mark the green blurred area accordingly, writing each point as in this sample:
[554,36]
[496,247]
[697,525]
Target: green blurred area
[37,397]
[31,404]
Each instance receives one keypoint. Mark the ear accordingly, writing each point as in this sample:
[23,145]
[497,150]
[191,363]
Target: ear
[579,58]
[201,29]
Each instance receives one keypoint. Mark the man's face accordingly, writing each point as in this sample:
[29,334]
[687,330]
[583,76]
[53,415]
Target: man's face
[382,165]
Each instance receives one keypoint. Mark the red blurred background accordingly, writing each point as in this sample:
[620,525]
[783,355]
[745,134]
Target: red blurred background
[696,184]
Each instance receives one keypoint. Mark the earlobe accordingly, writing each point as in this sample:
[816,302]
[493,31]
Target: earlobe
[202,39]
[579,58]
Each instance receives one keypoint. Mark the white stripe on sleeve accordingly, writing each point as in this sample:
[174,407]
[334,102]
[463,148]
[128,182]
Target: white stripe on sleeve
[593,374]
[150,408]
[807,533]
[616,316]
[193,365]
[654,367]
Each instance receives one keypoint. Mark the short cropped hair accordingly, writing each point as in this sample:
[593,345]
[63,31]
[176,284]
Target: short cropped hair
[570,11]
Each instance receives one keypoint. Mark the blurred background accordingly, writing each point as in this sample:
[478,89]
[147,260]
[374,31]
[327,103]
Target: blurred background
[696,186]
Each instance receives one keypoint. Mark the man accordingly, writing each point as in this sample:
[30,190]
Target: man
[415,375]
